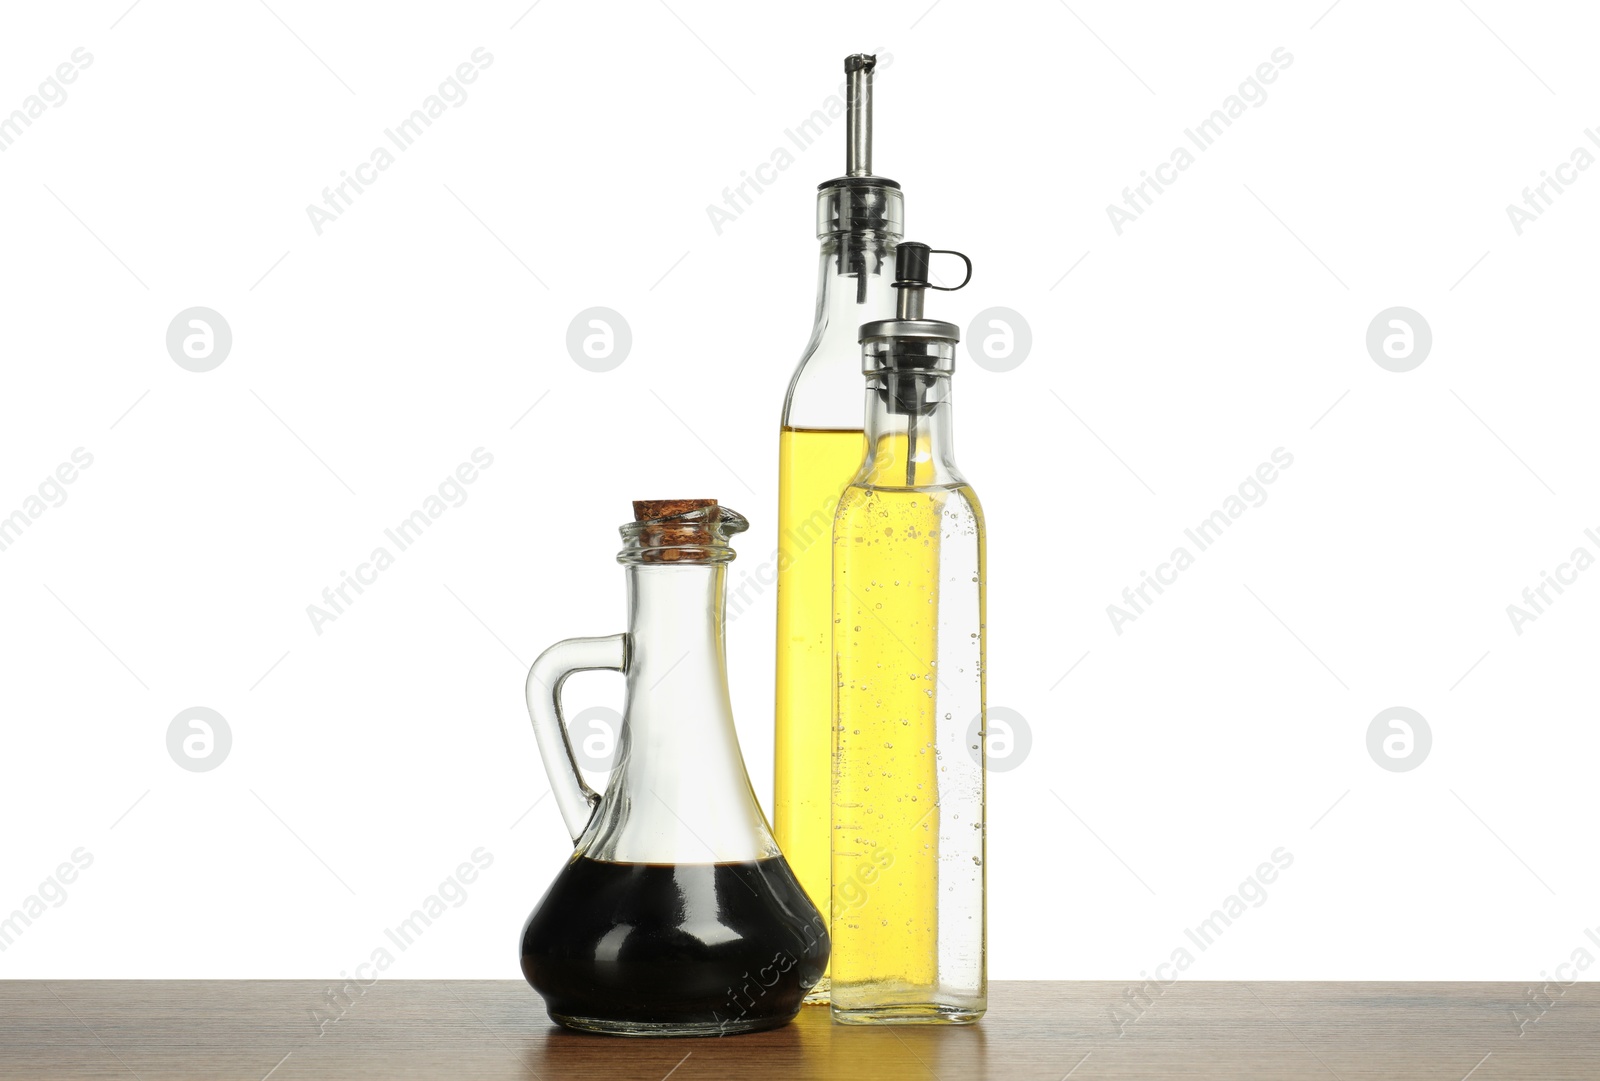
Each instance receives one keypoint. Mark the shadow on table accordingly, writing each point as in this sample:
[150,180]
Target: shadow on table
[810,1047]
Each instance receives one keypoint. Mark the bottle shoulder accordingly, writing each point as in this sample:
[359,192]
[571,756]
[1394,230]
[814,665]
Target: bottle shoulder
[827,389]
[956,500]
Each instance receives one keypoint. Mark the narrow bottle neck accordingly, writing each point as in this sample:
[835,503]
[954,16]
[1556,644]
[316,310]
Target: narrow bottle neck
[909,445]
[675,637]
[854,278]
[679,793]
[855,274]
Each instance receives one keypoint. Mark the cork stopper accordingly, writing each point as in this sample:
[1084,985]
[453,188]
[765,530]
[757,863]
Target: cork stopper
[672,531]
[646,509]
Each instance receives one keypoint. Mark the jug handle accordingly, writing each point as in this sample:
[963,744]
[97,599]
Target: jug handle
[576,799]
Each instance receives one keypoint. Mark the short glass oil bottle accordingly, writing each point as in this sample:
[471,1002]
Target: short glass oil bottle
[908,854]
[676,914]
[860,219]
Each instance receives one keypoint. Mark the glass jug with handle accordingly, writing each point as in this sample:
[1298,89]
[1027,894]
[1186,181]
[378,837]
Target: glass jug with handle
[676,914]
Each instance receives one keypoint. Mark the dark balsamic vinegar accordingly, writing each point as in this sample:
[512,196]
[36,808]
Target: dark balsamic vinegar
[674,949]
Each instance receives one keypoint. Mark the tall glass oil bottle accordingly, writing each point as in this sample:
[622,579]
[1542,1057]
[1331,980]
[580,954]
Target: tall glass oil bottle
[860,219]
[908,839]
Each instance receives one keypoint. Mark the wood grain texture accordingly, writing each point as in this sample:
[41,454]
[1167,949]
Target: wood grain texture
[399,1029]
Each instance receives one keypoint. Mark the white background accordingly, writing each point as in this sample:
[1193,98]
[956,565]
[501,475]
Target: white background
[369,361]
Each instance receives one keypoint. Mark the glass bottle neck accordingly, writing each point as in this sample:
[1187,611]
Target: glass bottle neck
[910,443]
[679,792]
[854,286]
[854,283]
[676,645]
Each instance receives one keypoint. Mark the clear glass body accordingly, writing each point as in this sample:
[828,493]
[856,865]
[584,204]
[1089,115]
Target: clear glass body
[676,914]
[908,829]
[820,448]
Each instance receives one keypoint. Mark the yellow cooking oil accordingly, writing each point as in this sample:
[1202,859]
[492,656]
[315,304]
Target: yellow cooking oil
[814,466]
[885,826]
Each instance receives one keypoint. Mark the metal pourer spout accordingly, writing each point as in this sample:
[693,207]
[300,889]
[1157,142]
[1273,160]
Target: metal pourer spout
[864,212]
[911,277]
[858,119]
[910,356]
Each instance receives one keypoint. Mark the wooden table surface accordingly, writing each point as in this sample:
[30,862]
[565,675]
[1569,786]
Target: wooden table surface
[242,1029]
